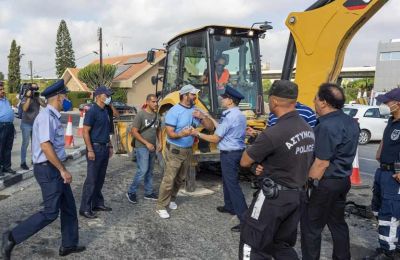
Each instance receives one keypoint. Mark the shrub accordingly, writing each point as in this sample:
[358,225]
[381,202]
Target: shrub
[78,97]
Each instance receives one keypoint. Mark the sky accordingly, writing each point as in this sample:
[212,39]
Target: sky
[133,26]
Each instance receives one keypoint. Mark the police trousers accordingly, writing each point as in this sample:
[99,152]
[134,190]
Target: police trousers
[270,226]
[96,174]
[326,207]
[7,132]
[386,207]
[57,198]
[233,196]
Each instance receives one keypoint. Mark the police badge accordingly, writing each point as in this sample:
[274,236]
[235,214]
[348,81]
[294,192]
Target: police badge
[395,134]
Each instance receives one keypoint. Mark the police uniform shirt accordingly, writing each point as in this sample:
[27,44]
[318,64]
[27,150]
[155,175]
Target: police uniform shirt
[47,127]
[97,118]
[285,150]
[232,130]
[391,142]
[181,117]
[336,140]
[6,111]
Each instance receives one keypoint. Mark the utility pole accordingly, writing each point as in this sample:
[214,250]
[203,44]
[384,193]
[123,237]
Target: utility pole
[30,68]
[100,35]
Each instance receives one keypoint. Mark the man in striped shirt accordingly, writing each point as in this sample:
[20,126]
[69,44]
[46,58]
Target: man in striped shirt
[304,111]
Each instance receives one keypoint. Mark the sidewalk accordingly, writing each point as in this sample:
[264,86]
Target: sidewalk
[9,179]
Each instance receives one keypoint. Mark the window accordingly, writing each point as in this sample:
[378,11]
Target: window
[387,56]
[350,111]
[372,112]
[172,67]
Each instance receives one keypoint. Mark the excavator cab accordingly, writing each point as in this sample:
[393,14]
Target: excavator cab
[212,57]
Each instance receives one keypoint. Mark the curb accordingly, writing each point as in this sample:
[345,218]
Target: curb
[8,181]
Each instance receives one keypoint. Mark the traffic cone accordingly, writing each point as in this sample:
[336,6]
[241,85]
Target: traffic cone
[355,175]
[69,138]
[80,127]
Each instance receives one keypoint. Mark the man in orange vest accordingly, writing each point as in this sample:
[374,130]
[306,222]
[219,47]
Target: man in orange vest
[221,75]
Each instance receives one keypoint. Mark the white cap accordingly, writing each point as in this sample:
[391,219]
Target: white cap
[188,89]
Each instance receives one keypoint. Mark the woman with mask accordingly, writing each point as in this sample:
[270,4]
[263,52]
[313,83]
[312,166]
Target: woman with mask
[96,134]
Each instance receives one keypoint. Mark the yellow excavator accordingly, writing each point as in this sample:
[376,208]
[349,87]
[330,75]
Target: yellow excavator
[317,43]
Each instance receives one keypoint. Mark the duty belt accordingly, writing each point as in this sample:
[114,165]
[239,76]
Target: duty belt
[387,166]
[5,123]
[280,187]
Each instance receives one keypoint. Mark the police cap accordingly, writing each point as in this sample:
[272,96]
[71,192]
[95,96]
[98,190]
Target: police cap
[232,93]
[55,89]
[393,95]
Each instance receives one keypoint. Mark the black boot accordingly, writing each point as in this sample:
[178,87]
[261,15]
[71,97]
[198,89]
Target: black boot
[7,245]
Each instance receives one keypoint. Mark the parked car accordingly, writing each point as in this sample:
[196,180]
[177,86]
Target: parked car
[120,106]
[372,122]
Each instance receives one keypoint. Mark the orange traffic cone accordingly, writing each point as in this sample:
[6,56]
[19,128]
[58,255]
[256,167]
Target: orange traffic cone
[80,127]
[355,175]
[69,138]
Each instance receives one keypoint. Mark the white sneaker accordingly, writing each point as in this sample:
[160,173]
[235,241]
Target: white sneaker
[162,213]
[173,205]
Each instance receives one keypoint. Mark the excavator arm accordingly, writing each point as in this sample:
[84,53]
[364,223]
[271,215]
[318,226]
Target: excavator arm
[321,35]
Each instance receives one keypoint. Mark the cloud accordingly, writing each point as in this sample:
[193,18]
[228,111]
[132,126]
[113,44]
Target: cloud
[138,25]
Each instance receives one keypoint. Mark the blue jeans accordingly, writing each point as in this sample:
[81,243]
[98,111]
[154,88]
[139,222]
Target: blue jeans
[26,130]
[145,165]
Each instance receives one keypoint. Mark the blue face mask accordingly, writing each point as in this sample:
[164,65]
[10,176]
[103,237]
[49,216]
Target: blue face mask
[66,105]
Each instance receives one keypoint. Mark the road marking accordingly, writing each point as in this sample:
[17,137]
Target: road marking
[366,159]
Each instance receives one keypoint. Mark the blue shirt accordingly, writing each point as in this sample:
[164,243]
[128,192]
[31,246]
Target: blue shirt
[97,118]
[232,130]
[304,111]
[180,117]
[336,140]
[6,111]
[47,127]
[391,142]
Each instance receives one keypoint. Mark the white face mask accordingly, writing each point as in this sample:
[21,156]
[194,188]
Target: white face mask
[384,109]
[107,101]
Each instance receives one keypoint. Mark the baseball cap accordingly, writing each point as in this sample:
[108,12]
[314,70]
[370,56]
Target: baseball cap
[188,89]
[103,90]
[394,95]
[284,89]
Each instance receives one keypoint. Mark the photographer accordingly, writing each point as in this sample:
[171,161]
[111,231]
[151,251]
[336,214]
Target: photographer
[30,104]
[285,152]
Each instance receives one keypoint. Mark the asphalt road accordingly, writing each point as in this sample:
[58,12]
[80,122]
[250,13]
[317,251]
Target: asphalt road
[367,161]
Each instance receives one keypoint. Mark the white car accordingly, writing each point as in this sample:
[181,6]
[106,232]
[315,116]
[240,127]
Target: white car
[372,122]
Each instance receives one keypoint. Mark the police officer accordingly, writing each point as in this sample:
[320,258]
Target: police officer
[96,133]
[385,201]
[230,135]
[48,154]
[285,152]
[336,140]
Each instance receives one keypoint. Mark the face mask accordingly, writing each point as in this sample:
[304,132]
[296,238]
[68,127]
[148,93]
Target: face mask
[384,109]
[107,101]
[66,104]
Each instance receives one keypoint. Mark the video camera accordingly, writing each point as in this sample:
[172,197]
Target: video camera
[34,88]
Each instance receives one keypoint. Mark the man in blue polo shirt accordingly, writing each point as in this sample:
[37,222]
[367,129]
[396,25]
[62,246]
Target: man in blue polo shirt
[6,132]
[180,121]
[96,133]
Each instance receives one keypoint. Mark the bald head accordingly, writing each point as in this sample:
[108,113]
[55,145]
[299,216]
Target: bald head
[332,94]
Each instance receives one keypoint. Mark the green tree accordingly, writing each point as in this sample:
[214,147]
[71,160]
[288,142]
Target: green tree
[1,75]
[65,57]
[266,84]
[90,75]
[14,74]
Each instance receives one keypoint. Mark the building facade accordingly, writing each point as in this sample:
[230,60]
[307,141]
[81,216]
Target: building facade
[387,75]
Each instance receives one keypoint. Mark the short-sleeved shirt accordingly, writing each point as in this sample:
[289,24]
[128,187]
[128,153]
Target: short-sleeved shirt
[181,117]
[304,111]
[142,120]
[111,117]
[47,127]
[33,110]
[97,118]
[391,142]
[232,130]
[6,111]
[285,150]
[336,140]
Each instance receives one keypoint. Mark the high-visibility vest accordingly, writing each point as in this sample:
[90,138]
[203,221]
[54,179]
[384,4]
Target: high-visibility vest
[221,81]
